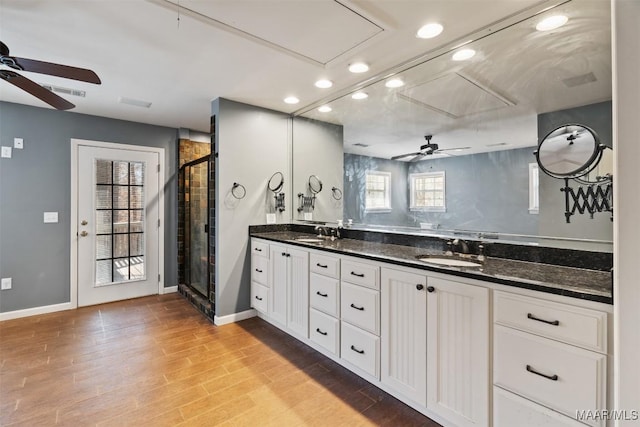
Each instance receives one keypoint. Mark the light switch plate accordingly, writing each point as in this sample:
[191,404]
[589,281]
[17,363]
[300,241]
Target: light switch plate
[18,143]
[6,283]
[50,217]
[6,152]
[308,216]
[271,218]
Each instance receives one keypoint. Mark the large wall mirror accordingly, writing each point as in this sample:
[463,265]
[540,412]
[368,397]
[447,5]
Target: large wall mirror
[446,145]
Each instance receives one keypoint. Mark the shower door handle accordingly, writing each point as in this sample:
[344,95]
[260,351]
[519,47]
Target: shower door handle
[206,228]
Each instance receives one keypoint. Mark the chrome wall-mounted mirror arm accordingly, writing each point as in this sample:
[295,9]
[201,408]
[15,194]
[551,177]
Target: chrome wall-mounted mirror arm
[275,184]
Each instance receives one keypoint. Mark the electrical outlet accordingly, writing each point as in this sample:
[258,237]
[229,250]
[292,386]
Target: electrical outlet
[6,152]
[6,283]
[18,143]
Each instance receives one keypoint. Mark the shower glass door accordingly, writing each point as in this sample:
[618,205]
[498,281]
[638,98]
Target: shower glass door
[196,227]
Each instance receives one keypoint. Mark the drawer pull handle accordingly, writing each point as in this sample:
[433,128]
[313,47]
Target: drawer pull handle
[321,265]
[549,377]
[549,322]
[356,274]
[320,332]
[356,350]
[321,294]
[258,298]
[356,307]
[257,249]
[258,270]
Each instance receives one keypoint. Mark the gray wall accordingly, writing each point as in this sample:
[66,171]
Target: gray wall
[355,168]
[485,192]
[552,205]
[252,143]
[317,150]
[38,179]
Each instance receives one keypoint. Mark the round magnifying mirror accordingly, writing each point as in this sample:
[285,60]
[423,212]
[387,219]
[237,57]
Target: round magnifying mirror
[569,151]
[276,182]
[315,185]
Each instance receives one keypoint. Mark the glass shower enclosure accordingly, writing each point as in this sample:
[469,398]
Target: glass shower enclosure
[194,177]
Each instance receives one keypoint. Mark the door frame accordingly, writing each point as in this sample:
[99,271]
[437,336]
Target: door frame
[75,146]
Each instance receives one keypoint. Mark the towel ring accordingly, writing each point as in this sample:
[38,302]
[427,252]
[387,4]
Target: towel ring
[336,193]
[242,192]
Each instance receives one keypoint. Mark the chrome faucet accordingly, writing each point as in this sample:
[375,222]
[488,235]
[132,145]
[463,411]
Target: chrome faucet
[459,246]
[322,231]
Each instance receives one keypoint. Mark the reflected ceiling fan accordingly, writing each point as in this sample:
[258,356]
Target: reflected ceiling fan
[34,66]
[426,150]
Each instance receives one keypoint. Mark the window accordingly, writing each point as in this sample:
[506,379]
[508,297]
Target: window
[534,189]
[378,191]
[427,191]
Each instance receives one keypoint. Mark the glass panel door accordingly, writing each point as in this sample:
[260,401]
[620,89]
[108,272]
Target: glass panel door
[196,196]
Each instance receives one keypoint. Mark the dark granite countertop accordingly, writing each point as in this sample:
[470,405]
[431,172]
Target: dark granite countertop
[568,281]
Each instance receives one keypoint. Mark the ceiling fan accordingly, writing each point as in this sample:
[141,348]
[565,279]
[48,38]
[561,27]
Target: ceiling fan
[32,65]
[426,150]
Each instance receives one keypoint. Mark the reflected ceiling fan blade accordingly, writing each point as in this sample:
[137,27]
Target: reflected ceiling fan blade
[75,73]
[418,157]
[454,149]
[407,155]
[36,90]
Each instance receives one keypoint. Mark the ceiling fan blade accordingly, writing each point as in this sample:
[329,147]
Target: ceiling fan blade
[36,90]
[34,66]
[406,155]
[454,149]
[418,157]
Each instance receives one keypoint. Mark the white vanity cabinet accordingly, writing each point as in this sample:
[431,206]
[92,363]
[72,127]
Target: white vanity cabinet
[289,283]
[360,315]
[260,276]
[554,355]
[324,301]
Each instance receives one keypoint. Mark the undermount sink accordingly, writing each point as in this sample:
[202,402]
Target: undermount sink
[450,262]
[309,240]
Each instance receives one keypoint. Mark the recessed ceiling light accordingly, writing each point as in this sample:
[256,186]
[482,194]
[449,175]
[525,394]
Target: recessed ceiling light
[358,67]
[551,23]
[291,100]
[324,109]
[394,83]
[463,54]
[429,31]
[324,83]
[359,95]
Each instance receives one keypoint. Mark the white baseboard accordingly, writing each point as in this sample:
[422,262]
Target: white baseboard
[169,289]
[17,314]
[232,318]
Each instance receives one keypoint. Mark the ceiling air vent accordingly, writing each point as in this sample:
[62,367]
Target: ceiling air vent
[579,80]
[65,90]
[134,102]
[359,144]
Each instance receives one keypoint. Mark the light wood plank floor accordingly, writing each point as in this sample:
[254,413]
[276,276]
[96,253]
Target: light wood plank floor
[156,361]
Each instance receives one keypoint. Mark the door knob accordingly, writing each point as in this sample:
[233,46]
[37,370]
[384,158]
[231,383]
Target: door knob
[84,234]
[84,222]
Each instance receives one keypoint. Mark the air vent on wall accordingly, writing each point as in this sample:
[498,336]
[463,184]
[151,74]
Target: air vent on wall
[65,90]
[359,144]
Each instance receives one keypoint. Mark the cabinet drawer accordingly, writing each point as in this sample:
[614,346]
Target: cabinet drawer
[511,410]
[259,297]
[260,269]
[259,248]
[574,325]
[360,306]
[324,330]
[324,294]
[325,265]
[556,375]
[361,349]
[360,273]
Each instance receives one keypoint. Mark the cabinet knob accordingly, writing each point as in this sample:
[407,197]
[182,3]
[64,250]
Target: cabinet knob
[430,289]
[419,287]
[284,254]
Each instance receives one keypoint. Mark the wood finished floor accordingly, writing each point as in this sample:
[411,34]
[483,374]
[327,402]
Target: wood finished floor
[156,361]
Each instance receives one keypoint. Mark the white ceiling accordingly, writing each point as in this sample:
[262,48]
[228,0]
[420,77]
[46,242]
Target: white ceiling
[180,58]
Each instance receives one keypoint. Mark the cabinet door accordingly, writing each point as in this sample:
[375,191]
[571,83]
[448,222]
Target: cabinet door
[278,274]
[298,292]
[458,352]
[403,333]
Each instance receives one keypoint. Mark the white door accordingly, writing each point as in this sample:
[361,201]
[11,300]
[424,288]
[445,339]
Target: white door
[403,334]
[117,224]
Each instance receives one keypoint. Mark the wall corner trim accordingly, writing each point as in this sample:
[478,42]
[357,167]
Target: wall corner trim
[17,314]
[236,317]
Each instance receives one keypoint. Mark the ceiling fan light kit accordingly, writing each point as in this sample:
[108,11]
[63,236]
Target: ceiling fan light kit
[15,64]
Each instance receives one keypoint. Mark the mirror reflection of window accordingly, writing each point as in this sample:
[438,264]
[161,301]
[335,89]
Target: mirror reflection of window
[534,188]
[428,191]
[378,191]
